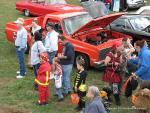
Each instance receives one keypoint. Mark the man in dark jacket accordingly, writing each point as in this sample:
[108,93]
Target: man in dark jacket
[95,105]
[66,60]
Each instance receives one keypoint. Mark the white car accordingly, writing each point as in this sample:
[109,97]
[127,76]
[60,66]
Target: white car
[144,10]
[135,3]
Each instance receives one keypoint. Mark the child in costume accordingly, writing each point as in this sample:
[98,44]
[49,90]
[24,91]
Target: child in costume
[57,70]
[79,84]
[43,79]
[112,75]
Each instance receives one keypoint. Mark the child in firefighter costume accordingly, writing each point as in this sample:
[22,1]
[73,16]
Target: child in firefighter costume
[43,79]
[79,84]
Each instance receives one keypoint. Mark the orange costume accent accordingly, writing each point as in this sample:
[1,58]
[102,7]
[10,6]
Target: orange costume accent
[43,80]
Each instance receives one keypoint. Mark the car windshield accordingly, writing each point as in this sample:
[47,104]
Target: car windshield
[55,2]
[140,23]
[72,24]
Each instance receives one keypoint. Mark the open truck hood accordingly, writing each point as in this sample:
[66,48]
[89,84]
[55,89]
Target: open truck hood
[100,22]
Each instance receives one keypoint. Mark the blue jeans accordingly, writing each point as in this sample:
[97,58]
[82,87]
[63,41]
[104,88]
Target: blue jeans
[20,57]
[108,7]
[59,93]
[66,71]
[35,68]
[51,56]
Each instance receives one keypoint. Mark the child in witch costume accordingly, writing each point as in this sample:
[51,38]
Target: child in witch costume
[43,79]
[112,76]
[79,84]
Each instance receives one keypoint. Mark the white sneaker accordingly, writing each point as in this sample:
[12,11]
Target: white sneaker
[18,73]
[19,76]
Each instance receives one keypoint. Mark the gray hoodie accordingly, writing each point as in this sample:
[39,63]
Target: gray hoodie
[95,106]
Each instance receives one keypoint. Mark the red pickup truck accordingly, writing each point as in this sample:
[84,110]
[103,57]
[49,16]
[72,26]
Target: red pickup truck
[89,37]
[43,7]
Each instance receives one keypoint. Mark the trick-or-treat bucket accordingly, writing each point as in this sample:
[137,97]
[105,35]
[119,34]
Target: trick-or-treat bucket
[74,98]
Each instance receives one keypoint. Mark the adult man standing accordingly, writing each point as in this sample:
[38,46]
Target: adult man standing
[51,41]
[66,60]
[20,43]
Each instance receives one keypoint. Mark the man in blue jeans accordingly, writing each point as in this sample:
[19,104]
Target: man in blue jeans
[20,42]
[66,60]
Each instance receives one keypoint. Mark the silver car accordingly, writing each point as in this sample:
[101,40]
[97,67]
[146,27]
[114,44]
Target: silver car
[135,3]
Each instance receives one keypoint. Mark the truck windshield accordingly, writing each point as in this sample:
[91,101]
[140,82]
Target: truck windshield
[140,23]
[72,24]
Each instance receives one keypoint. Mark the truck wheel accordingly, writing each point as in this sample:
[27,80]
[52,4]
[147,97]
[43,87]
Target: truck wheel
[27,12]
[125,9]
[85,58]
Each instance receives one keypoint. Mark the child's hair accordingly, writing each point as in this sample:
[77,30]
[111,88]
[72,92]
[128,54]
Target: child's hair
[140,43]
[55,60]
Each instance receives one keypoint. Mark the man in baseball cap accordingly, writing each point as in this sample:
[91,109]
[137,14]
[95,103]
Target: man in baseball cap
[20,43]
[20,21]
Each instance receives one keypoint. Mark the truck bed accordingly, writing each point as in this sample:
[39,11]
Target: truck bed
[11,27]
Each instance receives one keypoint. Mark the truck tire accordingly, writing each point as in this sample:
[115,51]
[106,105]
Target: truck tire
[125,9]
[26,13]
[85,58]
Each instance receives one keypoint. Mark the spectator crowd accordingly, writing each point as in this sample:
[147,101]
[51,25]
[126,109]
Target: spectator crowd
[125,64]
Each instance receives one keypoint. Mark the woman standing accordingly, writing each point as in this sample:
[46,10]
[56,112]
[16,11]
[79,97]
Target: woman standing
[34,27]
[36,49]
[143,71]
[112,75]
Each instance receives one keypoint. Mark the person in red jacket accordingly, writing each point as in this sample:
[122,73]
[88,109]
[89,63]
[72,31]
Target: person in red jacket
[43,79]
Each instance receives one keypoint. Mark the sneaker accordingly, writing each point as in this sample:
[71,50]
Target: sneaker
[19,76]
[45,103]
[60,100]
[78,108]
[55,95]
[18,73]
[69,92]
[39,104]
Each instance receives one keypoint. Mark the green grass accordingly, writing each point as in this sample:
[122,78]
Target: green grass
[18,96]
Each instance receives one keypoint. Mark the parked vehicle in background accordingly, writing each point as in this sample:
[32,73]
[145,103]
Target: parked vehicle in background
[137,26]
[144,11]
[131,4]
[43,7]
[98,6]
[91,41]
[135,3]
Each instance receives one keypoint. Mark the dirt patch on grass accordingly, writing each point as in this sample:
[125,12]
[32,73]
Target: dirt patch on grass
[6,80]
[12,110]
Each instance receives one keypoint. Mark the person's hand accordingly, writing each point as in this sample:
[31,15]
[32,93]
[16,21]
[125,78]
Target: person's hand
[19,49]
[59,55]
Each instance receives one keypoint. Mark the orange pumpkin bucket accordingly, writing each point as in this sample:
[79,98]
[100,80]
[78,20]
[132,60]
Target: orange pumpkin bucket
[74,98]
[133,99]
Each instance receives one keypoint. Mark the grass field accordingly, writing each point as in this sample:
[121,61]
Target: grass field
[18,96]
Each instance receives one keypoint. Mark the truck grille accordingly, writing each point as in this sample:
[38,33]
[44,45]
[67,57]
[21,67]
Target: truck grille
[103,53]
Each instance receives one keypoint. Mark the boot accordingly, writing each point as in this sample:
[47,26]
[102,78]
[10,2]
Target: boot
[109,93]
[117,99]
